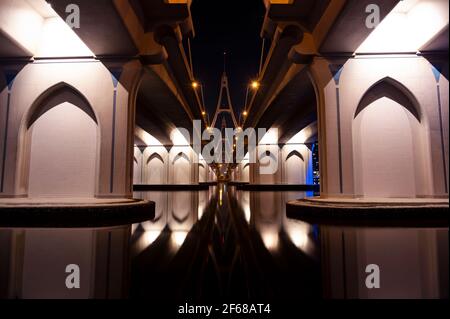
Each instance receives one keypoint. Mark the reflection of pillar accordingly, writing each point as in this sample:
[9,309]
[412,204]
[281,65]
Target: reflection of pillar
[39,257]
[410,262]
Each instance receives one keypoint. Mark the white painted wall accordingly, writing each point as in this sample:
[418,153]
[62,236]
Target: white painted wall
[63,154]
[385,151]
[358,75]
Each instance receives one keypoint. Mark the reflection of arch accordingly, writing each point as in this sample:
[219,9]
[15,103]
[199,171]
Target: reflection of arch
[295,153]
[180,156]
[393,90]
[246,165]
[59,125]
[201,165]
[155,156]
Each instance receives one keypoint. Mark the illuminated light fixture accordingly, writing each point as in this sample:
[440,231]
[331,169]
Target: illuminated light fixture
[409,26]
[245,113]
[203,113]
[195,84]
[255,85]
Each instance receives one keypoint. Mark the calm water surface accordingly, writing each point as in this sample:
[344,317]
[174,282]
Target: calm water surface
[224,245]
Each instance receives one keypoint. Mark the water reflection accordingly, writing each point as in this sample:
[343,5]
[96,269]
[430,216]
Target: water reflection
[239,244]
[33,263]
[224,245]
[413,263]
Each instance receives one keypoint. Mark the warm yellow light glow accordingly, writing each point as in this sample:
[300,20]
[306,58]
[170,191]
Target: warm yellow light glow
[203,113]
[195,84]
[178,238]
[245,113]
[255,85]
[408,27]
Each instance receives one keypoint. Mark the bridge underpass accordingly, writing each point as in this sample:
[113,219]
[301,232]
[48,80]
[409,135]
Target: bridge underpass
[356,116]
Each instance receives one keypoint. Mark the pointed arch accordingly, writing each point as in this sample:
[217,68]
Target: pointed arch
[180,156]
[39,140]
[155,156]
[295,153]
[268,154]
[246,165]
[394,90]
[56,95]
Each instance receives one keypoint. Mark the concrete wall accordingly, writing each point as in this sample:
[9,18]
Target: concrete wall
[380,122]
[76,119]
[155,165]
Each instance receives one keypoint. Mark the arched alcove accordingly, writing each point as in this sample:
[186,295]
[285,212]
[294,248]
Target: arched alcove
[295,168]
[393,90]
[155,169]
[59,145]
[181,169]
[202,172]
[136,172]
[246,173]
[388,139]
[268,163]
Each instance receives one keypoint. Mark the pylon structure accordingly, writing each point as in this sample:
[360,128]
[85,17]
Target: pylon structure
[228,107]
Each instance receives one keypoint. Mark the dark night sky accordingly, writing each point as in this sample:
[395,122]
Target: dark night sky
[232,26]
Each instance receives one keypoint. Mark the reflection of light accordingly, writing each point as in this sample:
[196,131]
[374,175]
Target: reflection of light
[247,213]
[299,237]
[220,197]
[150,236]
[133,228]
[178,237]
[408,27]
[270,239]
